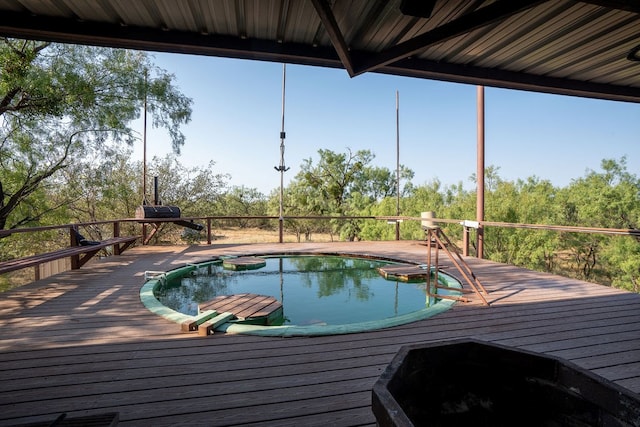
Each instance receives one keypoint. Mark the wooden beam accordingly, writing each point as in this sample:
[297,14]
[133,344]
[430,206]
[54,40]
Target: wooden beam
[282,21]
[371,20]
[62,30]
[458,73]
[629,6]
[22,25]
[495,12]
[335,35]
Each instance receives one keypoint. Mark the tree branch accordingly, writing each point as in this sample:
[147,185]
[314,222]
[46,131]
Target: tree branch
[6,100]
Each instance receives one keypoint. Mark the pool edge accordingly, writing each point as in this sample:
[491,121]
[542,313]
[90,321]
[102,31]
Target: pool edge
[152,304]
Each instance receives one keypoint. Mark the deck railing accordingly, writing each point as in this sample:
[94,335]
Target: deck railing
[469,228]
[113,228]
[467,225]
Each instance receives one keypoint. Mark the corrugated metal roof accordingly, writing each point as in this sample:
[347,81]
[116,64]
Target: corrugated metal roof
[558,46]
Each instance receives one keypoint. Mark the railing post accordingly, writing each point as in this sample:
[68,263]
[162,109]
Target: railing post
[117,250]
[208,231]
[467,225]
[480,175]
[480,242]
[428,231]
[465,241]
[73,241]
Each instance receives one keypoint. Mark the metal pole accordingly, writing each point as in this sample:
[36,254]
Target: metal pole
[144,144]
[281,168]
[397,164]
[144,157]
[480,173]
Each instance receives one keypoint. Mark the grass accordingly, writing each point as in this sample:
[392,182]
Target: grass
[255,235]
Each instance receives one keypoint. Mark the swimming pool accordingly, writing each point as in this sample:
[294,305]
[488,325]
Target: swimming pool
[319,294]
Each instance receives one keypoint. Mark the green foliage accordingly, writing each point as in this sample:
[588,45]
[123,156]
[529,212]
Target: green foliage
[243,201]
[621,262]
[607,199]
[65,130]
[100,188]
[380,230]
[64,105]
[523,202]
[196,191]
[340,184]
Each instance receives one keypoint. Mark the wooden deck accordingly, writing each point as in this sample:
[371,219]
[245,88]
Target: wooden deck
[81,342]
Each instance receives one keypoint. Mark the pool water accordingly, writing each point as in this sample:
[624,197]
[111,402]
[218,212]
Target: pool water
[314,290]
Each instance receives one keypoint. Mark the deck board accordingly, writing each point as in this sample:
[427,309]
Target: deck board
[80,342]
[243,306]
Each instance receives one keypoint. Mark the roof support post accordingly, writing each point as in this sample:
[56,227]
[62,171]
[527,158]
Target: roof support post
[480,174]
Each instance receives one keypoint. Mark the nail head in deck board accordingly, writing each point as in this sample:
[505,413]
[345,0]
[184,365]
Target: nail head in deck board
[244,263]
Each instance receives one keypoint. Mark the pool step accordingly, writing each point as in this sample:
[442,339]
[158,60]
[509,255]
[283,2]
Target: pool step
[208,327]
[192,325]
[244,263]
[404,272]
[248,308]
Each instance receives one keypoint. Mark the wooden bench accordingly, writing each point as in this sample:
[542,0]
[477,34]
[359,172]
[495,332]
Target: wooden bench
[79,254]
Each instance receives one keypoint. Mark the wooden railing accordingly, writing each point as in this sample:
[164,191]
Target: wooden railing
[78,251]
[468,226]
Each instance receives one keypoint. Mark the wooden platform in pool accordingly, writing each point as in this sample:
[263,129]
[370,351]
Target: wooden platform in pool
[244,263]
[403,272]
[251,308]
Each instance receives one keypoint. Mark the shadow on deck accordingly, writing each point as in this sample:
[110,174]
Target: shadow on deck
[82,343]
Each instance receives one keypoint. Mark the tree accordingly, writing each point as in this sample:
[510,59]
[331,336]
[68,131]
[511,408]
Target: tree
[299,200]
[196,190]
[378,183]
[531,201]
[343,184]
[603,199]
[621,259]
[243,201]
[97,189]
[332,179]
[62,104]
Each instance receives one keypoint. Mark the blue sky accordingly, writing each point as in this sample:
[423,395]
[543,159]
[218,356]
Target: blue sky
[237,114]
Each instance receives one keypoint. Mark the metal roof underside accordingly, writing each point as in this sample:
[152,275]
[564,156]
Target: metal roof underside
[582,48]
